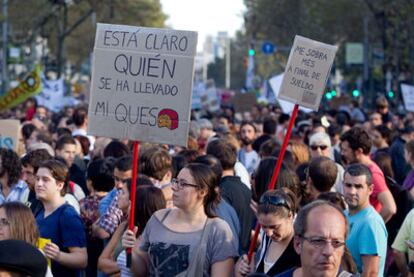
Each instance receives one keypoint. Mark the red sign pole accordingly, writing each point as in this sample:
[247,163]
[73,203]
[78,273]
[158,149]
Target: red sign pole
[132,195]
[275,175]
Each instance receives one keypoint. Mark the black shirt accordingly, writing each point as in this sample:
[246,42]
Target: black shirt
[238,196]
[288,259]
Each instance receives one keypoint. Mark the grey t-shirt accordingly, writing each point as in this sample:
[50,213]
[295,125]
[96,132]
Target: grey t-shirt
[170,252]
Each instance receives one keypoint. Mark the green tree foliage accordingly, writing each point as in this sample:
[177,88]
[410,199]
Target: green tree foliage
[47,18]
[390,27]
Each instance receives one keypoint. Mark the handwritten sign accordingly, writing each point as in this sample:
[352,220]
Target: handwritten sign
[141,83]
[287,107]
[9,133]
[408,97]
[307,72]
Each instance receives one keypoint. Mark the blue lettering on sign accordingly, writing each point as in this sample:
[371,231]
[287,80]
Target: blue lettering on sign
[6,142]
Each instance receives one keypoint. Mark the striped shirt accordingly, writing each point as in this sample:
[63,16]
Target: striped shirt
[17,192]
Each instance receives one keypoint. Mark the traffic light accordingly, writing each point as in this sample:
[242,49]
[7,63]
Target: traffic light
[252,52]
[391,94]
[328,95]
[355,93]
[333,93]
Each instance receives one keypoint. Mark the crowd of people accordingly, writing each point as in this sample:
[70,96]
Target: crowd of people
[341,205]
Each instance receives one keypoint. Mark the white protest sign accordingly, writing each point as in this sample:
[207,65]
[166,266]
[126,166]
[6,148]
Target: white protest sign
[52,94]
[306,72]
[408,97]
[9,133]
[142,83]
[287,107]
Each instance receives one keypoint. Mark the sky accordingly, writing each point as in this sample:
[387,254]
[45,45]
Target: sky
[207,17]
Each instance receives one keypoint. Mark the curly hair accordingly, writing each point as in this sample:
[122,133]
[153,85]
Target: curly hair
[10,164]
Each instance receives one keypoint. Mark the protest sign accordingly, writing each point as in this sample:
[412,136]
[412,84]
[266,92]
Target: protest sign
[142,83]
[9,134]
[306,72]
[52,94]
[30,86]
[408,97]
[287,107]
[243,102]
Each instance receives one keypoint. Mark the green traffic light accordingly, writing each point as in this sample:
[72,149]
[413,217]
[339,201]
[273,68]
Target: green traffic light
[252,52]
[391,94]
[333,93]
[328,95]
[355,93]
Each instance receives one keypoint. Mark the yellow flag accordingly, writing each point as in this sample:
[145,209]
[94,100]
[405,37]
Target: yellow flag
[30,86]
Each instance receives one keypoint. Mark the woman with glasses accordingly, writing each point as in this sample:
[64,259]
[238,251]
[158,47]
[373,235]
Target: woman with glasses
[59,222]
[187,240]
[275,212]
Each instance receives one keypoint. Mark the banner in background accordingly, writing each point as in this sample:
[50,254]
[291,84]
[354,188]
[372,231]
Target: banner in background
[30,86]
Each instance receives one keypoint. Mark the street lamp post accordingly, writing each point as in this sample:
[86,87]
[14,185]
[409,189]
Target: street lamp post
[5,79]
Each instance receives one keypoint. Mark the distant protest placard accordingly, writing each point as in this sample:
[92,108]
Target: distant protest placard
[408,97]
[306,72]
[9,134]
[142,83]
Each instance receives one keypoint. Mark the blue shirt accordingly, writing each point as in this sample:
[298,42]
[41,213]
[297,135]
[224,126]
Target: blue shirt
[367,236]
[16,193]
[65,228]
[106,201]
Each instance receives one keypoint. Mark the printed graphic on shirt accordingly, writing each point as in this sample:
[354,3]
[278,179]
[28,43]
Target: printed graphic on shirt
[168,259]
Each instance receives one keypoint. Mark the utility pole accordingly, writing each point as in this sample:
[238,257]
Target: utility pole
[228,62]
[62,25]
[5,78]
[367,87]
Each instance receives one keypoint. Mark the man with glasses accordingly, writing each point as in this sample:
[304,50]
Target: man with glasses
[320,232]
[367,239]
[111,214]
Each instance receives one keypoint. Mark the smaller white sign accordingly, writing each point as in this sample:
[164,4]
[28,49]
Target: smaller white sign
[306,72]
[408,97]
[52,94]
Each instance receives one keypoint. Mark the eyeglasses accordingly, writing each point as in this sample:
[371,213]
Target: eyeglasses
[319,242]
[274,200]
[315,147]
[4,222]
[180,184]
